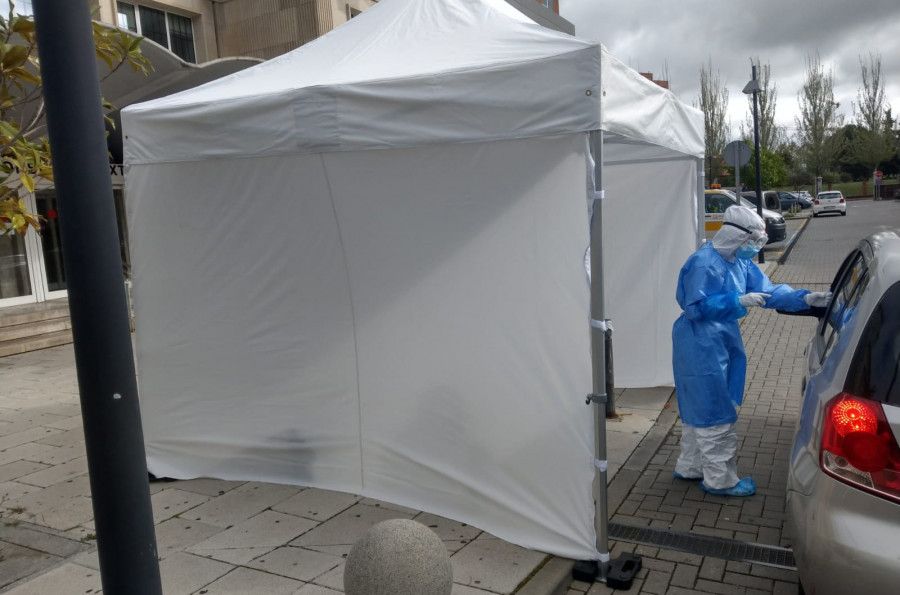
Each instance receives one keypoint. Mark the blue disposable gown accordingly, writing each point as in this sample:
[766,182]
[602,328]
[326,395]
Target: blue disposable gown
[708,354]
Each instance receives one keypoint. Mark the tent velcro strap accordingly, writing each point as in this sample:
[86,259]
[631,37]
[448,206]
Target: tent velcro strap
[603,325]
[600,399]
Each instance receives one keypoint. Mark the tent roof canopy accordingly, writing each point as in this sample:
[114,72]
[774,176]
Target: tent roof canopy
[407,73]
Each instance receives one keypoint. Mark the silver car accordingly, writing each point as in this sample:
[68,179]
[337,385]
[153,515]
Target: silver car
[843,496]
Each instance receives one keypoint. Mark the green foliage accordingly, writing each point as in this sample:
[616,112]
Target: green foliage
[773,170]
[24,149]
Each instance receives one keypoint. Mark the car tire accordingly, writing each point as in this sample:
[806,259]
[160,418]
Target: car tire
[843,213]
[815,214]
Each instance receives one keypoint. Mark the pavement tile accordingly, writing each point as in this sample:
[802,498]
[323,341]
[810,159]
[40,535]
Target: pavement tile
[44,453]
[254,537]
[243,581]
[17,562]
[61,506]
[176,534]
[447,529]
[389,506]
[183,574]
[494,565]
[347,527]
[316,590]
[68,578]
[207,486]
[333,579]
[26,436]
[317,505]
[751,582]
[240,504]
[18,469]
[172,502]
[464,590]
[62,438]
[297,563]
[33,537]
[53,475]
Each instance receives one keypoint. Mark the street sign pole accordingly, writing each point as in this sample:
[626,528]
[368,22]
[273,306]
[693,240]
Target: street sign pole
[738,155]
[103,354]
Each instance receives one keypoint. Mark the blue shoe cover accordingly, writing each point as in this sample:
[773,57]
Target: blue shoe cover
[745,487]
[678,475]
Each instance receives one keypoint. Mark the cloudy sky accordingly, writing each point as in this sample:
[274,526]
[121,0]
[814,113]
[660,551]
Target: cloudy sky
[683,34]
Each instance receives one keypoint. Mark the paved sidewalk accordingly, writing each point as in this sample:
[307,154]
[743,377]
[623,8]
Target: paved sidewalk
[218,537]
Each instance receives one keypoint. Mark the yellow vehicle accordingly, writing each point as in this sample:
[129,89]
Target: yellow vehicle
[717,202]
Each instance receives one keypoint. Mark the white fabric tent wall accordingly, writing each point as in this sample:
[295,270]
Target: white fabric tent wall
[649,223]
[358,266]
[418,290]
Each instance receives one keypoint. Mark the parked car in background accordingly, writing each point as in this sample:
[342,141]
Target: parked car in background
[718,201]
[831,201]
[789,200]
[806,199]
[770,199]
[843,489]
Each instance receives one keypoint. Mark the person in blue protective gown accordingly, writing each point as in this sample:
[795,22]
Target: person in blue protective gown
[716,286]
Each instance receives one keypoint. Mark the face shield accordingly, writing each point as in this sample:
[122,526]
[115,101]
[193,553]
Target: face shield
[755,237]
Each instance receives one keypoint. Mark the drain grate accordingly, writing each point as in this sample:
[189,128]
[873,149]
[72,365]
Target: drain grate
[703,545]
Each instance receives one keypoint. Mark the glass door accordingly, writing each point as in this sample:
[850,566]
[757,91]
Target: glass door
[51,244]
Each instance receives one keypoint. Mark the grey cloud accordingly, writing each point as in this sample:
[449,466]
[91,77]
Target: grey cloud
[648,34]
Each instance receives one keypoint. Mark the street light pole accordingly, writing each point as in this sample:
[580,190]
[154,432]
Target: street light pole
[753,87]
[114,440]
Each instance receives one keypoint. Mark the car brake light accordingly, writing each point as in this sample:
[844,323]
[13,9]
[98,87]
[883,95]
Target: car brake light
[858,446]
[815,202]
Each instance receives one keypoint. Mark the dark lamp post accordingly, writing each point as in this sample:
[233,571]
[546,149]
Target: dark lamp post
[752,88]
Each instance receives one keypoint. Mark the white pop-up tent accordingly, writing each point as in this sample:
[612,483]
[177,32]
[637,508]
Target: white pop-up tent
[358,266]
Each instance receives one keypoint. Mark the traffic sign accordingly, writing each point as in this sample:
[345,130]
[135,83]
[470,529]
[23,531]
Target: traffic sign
[878,174]
[737,153]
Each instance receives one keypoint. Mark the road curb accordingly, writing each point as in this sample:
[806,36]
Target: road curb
[787,251]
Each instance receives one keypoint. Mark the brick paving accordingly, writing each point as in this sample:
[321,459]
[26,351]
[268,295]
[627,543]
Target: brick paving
[775,347]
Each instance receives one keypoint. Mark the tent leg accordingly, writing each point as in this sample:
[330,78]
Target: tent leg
[701,203]
[620,572]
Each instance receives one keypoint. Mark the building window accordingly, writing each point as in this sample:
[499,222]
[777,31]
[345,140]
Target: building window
[172,31]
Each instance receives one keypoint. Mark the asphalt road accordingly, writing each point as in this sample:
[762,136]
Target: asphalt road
[828,239]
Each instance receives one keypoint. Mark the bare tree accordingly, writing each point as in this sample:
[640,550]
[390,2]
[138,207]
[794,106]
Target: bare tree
[770,134]
[872,144]
[713,102]
[819,118]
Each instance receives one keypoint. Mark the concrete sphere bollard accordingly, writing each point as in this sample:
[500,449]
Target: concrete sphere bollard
[398,557]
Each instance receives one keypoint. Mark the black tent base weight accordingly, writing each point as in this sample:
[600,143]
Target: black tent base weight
[620,572]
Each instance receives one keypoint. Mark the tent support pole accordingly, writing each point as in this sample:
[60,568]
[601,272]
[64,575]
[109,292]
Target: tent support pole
[617,573]
[598,356]
[701,203]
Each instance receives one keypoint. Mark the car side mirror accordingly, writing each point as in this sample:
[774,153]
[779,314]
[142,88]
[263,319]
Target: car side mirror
[816,311]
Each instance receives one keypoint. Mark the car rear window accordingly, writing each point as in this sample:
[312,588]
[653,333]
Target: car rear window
[830,195]
[875,369]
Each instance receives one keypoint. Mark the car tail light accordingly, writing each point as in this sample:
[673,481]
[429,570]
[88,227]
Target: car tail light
[842,199]
[858,446]
[816,201]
